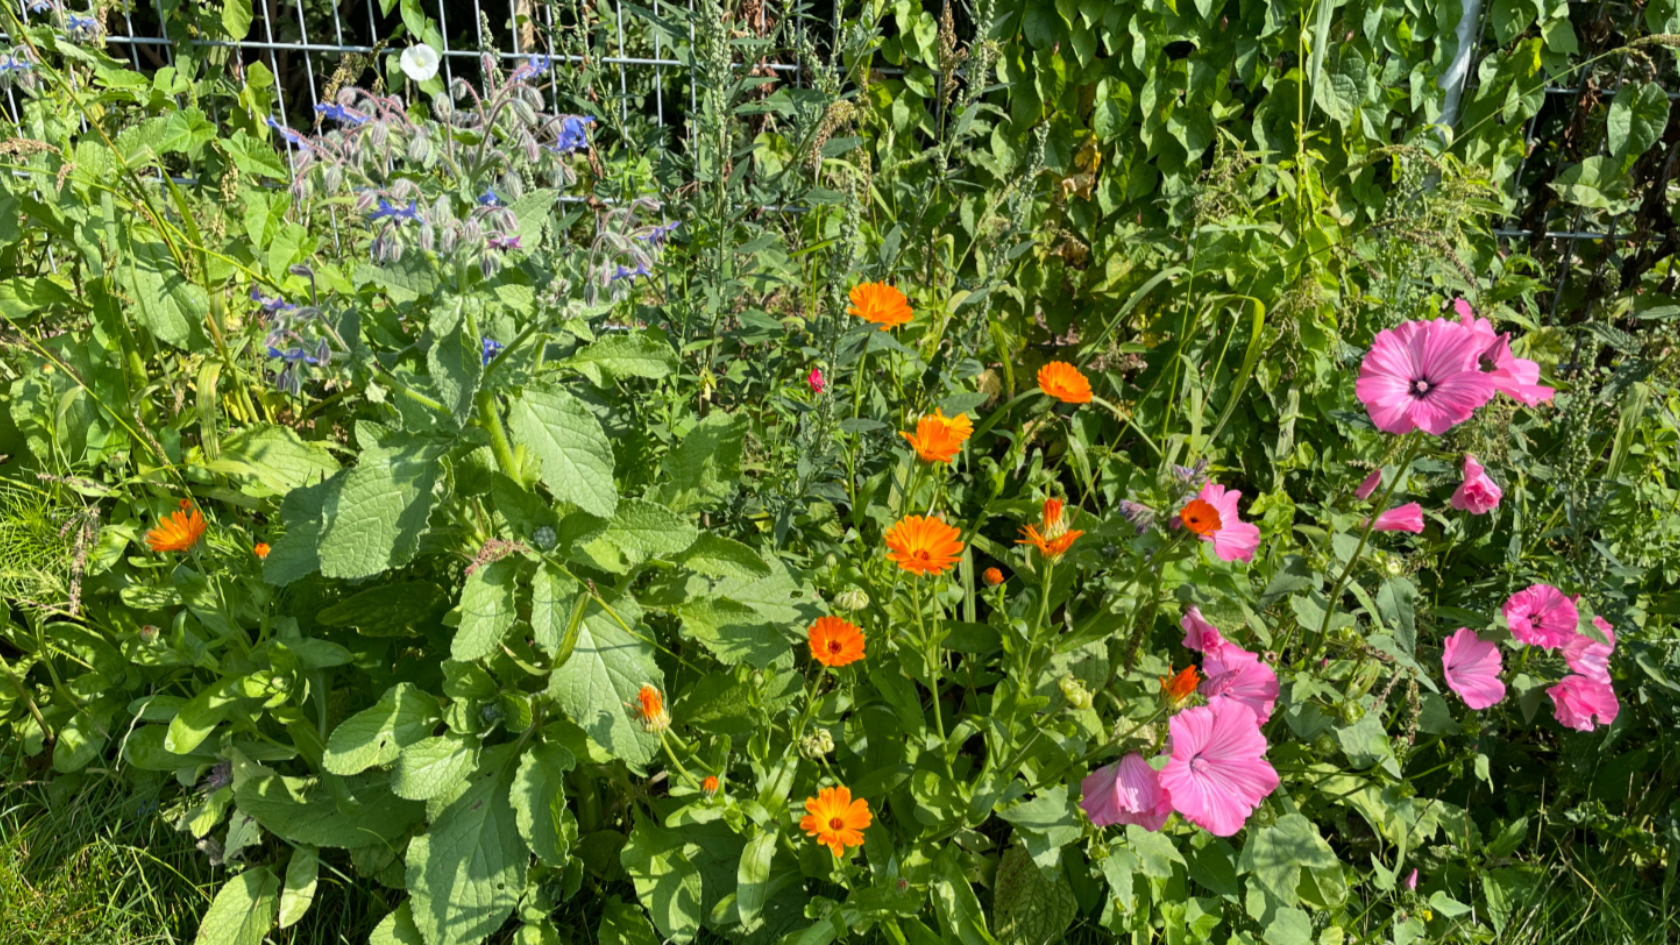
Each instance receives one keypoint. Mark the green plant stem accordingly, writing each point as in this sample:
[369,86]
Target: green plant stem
[1365,536]
[28,700]
[932,654]
[492,421]
[665,739]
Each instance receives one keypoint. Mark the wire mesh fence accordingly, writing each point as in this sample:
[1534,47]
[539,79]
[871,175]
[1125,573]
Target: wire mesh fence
[306,45]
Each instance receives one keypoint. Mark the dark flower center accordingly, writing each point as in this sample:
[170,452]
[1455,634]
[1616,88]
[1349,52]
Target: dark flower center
[1198,765]
[1420,387]
[834,646]
[835,823]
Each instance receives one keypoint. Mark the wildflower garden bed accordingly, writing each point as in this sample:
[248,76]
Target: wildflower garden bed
[1077,471]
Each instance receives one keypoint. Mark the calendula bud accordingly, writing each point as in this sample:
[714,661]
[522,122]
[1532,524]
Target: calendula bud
[650,710]
[817,744]
[1075,692]
[851,599]
[709,786]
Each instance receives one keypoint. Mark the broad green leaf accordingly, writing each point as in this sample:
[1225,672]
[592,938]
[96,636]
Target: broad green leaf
[375,735]
[576,458]
[752,877]
[243,910]
[781,597]
[1028,909]
[1637,118]
[301,874]
[466,872]
[643,530]
[720,557]
[554,598]
[636,354]
[455,363]
[624,924]
[304,810]
[200,716]
[538,796]
[1340,89]
[236,18]
[432,766]
[297,553]
[532,210]
[1289,926]
[81,738]
[390,610]
[398,928]
[276,457]
[487,611]
[667,883]
[1156,852]
[705,467]
[599,683]
[166,303]
[1397,602]
[1277,854]
[374,520]
[733,632]
[954,902]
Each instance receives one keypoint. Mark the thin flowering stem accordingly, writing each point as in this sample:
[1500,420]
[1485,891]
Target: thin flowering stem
[665,739]
[934,664]
[1412,449]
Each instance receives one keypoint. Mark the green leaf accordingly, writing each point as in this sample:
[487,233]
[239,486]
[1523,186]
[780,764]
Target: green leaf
[553,601]
[720,557]
[1277,854]
[624,924]
[667,882]
[432,766]
[576,458]
[1156,852]
[200,716]
[243,910]
[1028,909]
[600,681]
[705,466]
[236,18]
[276,457]
[1289,926]
[304,810]
[752,877]
[636,354]
[466,872]
[781,597]
[398,928]
[166,303]
[732,631]
[643,530]
[455,363]
[487,611]
[538,796]
[1397,602]
[301,874]
[1051,814]
[1637,118]
[376,735]
[532,210]
[374,520]
[958,909]
[1340,89]
[390,610]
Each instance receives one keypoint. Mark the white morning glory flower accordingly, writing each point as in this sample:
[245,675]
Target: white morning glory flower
[420,62]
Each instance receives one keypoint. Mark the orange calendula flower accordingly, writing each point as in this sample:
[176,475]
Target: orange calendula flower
[1064,382]
[260,550]
[710,785]
[177,531]
[993,577]
[650,710]
[184,504]
[1051,537]
[835,820]
[834,642]
[1179,686]
[923,545]
[1200,517]
[938,437]
[879,303]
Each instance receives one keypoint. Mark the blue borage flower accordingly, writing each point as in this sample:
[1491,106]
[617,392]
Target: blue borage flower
[340,114]
[387,212]
[574,134]
[288,134]
[504,243]
[81,27]
[531,68]
[631,274]
[658,234]
[294,355]
[488,198]
[492,347]
[271,306]
[40,6]
[14,64]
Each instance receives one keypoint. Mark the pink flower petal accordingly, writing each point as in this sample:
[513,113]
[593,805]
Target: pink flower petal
[1478,494]
[1368,486]
[1542,616]
[1218,773]
[1580,700]
[1402,518]
[1472,666]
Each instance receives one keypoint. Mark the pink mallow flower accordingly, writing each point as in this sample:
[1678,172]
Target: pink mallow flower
[1579,700]
[1401,518]
[816,381]
[1588,656]
[1126,792]
[1478,494]
[1472,666]
[1512,376]
[1218,773]
[1232,540]
[1368,486]
[1199,635]
[1423,375]
[1411,880]
[1236,674]
[1542,616]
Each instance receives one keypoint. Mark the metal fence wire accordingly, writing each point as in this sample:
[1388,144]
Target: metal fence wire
[303,43]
